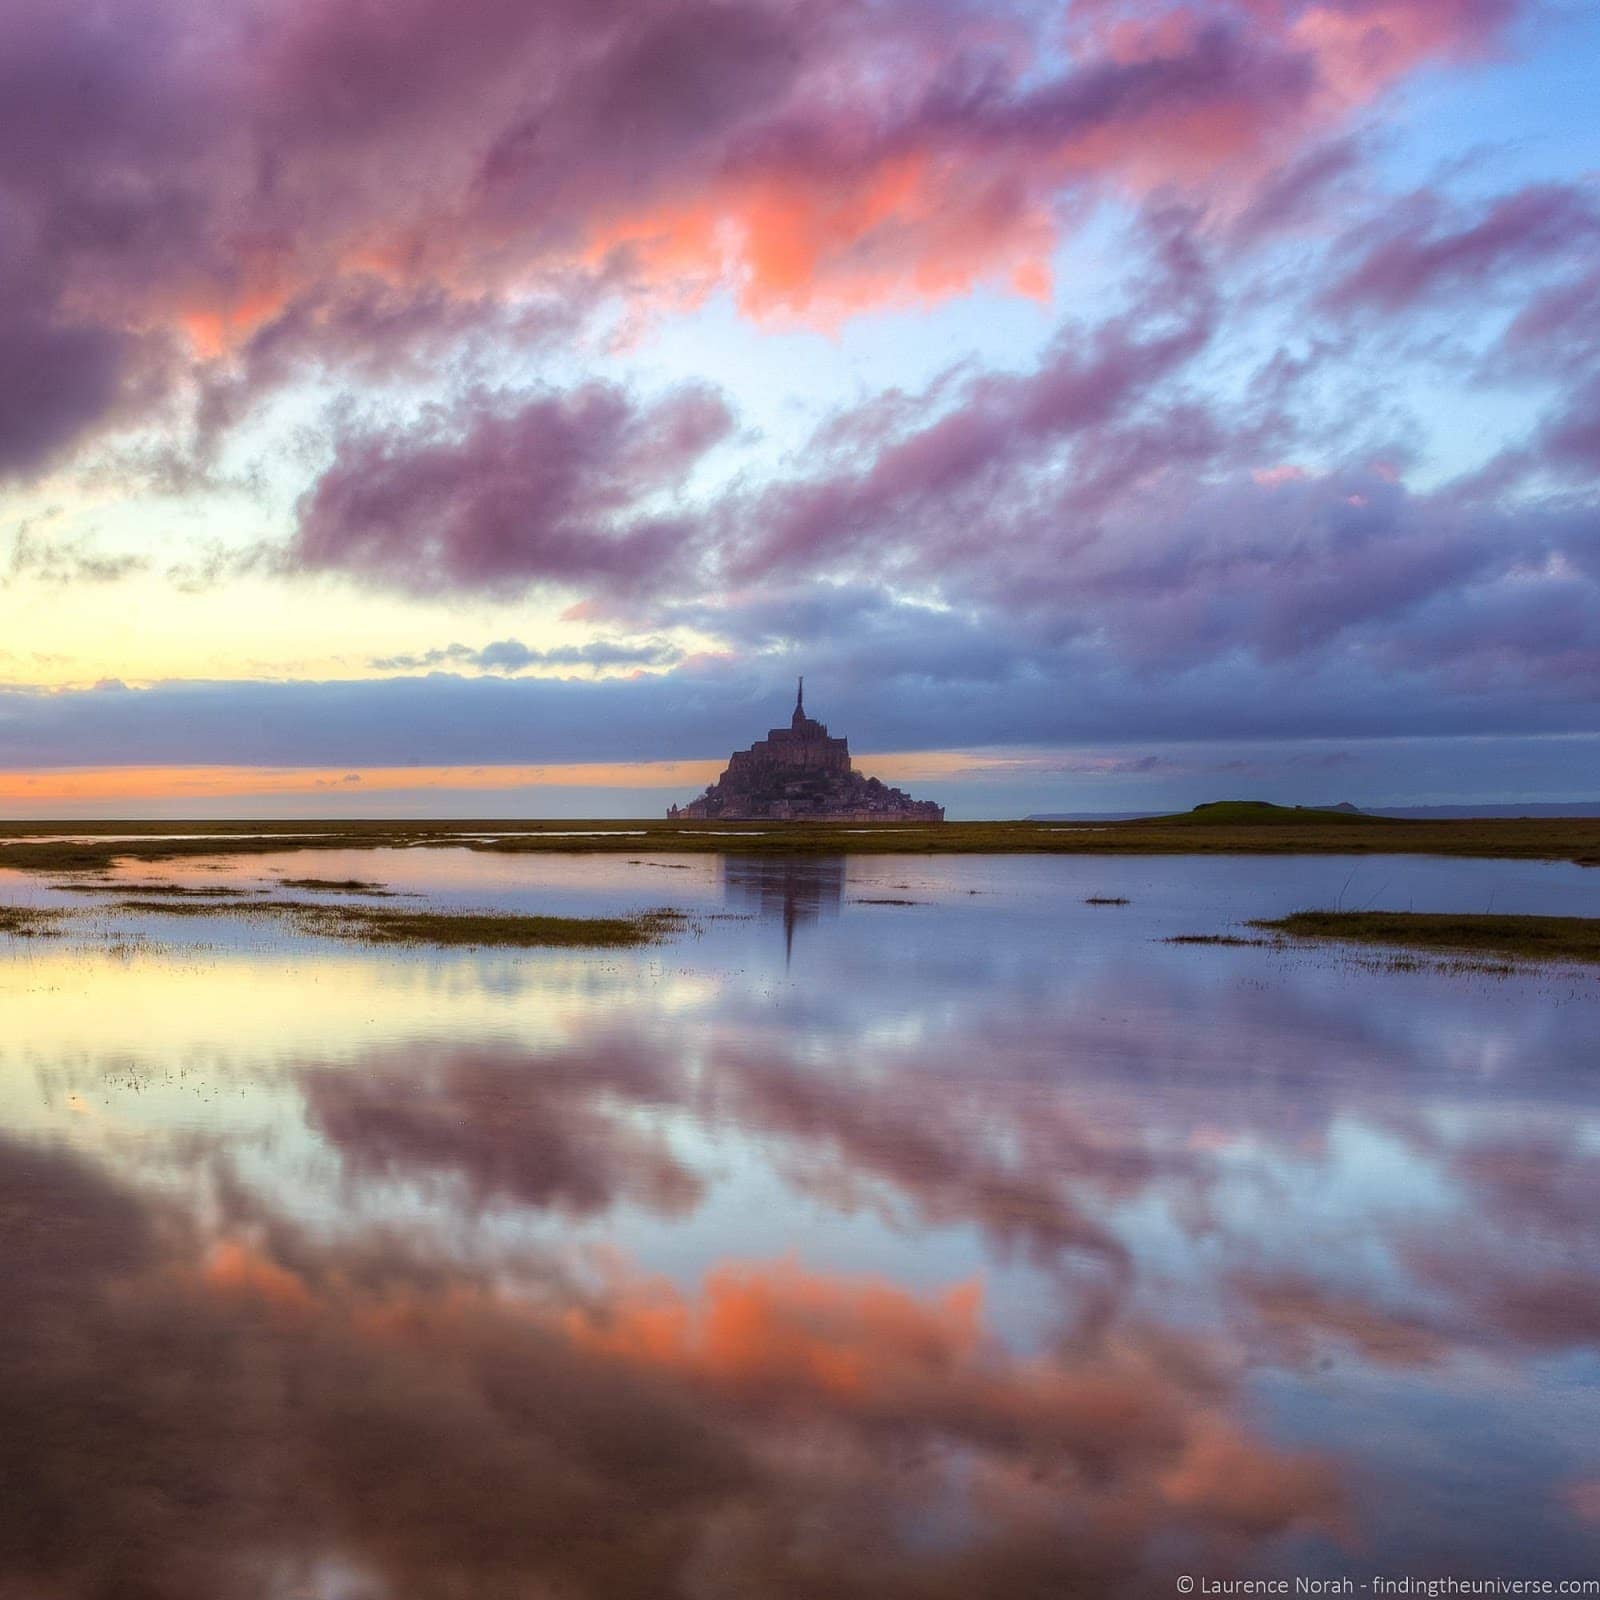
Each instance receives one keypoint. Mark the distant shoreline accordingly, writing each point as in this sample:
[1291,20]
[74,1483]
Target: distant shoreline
[74,847]
[1484,813]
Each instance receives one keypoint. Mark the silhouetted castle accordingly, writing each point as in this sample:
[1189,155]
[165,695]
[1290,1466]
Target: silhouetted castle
[800,772]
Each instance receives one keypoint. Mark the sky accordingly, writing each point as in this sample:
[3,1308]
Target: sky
[480,408]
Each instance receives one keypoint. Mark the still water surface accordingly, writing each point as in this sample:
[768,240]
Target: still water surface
[982,1244]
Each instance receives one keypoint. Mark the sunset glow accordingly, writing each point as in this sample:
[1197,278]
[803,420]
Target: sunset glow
[522,385]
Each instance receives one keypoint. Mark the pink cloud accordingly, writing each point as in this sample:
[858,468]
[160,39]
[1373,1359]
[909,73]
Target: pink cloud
[176,184]
[1420,250]
[555,490]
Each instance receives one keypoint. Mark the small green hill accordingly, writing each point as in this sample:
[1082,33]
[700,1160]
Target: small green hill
[1257,814]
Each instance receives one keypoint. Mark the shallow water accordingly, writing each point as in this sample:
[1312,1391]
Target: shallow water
[982,1244]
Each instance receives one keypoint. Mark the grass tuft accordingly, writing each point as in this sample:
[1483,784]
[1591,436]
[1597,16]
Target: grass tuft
[338,885]
[479,929]
[1525,938]
[176,891]
[30,922]
[1263,814]
[489,929]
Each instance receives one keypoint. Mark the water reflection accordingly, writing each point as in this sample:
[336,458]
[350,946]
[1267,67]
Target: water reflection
[549,1129]
[790,889]
[1001,1249]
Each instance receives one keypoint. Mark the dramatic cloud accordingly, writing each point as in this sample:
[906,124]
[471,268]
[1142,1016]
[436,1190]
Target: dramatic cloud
[1120,524]
[1420,255]
[230,183]
[556,490]
[55,381]
[1306,441]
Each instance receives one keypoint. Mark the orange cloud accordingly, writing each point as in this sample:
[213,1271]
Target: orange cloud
[234,1268]
[36,792]
[217,326]
[45,789]
[781,1327]
[1129,1433]
[927,209]
[1361,51]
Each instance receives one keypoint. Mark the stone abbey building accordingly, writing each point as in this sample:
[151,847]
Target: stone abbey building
[801,773]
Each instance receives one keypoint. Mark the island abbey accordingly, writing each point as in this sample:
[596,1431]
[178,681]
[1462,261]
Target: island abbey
[800,773]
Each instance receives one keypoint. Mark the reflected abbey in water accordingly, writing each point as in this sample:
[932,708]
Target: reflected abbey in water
[792,889]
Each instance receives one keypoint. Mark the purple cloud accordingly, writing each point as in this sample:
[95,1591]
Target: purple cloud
[1421,250]
[554,491]
[182,196]
[55,382]
[512,655]
[1204,492]
[1572,440]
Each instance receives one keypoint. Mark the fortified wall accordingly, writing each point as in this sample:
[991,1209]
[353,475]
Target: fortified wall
[802,772]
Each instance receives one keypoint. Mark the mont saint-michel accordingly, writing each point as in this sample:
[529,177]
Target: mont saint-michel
[802,772]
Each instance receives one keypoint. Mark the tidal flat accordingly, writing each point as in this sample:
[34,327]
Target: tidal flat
[1230,829]
[893,1223]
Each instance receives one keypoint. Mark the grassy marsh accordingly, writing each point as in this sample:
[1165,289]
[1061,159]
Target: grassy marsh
[1228,828]
[480,929]
[30,922]
[337,885]
[175,891]
[494,929]
[1523,938]
[368,924]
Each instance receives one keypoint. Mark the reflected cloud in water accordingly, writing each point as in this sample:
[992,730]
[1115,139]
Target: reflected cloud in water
[985,1253]
[210,1416]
